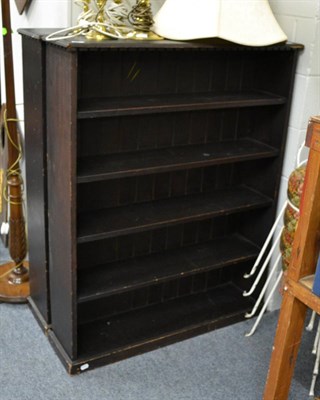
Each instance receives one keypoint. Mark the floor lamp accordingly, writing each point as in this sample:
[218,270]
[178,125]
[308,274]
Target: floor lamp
[14,276]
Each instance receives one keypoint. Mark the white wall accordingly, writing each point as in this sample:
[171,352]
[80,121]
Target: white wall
[300,19]
[40,14]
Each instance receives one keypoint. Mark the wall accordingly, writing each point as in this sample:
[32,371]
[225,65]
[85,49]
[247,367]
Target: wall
[300,20]
[41,13]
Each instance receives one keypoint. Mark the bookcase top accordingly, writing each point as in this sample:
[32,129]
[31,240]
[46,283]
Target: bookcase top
[81,43]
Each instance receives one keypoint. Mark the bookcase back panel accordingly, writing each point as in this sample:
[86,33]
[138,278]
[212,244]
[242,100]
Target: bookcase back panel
[152,242]
[147,72]
[157,72]
[121,192]
[114,135]
[177,184]
[157,294]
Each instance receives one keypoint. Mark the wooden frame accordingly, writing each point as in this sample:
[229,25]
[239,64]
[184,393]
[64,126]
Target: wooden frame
[297,297]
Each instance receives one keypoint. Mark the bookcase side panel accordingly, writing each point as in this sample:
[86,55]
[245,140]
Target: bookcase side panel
[61,129]
[36,173]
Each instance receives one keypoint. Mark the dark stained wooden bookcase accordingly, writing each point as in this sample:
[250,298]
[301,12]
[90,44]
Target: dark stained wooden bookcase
[152,179]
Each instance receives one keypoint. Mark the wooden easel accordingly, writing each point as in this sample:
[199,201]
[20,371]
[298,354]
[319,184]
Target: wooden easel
[297,296]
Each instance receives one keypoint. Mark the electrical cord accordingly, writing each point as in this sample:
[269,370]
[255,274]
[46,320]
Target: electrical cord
[141,16]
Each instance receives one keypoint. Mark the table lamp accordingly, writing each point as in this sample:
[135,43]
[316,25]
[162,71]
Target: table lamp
[246,22]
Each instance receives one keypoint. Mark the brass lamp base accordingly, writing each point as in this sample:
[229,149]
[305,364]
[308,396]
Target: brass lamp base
[141,35]
[14,288]
[94,35]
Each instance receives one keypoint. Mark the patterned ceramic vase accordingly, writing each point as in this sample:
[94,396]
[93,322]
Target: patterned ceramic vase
[291,215]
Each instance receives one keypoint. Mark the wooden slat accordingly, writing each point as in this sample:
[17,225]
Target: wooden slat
[303,263]
[119,277]
[285,349]
[120,221]
[110,107]
[122,165]
[302,291]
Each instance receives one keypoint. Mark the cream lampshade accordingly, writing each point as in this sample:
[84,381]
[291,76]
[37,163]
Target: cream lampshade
[247,22]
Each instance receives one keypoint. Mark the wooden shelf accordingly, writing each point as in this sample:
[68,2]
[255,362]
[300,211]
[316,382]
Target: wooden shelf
[121,106]
[119,277]
[122,165]
[162,323]
[100,224]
